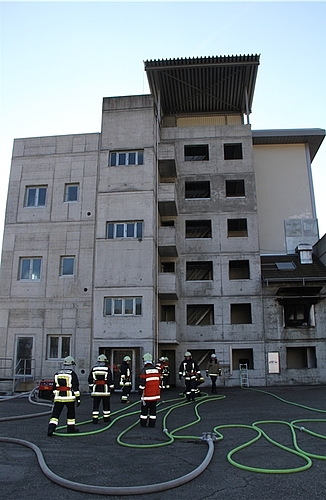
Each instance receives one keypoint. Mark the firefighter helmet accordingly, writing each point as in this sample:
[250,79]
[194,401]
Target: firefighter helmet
[102,358]
[127,358]
[147,358]
[187,354]
[69,360]
[213,355]
[166,359]
[162,358]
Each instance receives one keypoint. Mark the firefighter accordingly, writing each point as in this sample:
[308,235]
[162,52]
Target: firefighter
[213,370]
[100,384]
[150,389]
[125,379]
[165,373]
[65,393]
[189,370]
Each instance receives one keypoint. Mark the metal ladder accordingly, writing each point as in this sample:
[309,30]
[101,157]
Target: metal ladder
[244,380]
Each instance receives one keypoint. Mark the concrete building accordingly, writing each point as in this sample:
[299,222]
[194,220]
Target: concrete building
[175,228]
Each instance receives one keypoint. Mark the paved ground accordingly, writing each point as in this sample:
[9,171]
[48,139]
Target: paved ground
[98,459]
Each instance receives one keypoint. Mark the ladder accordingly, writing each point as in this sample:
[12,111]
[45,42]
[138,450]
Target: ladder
[244,380]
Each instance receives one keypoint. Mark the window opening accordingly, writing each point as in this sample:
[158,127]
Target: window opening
[234,188]
[168,313]
[196,152]
[200,315]
[124,230]
[126,306]
[30,269]
[237,228]
[198,229]
[199,271]
[233,151]
[197,189]
[35,196]
[71,192]
[240,314]
[301,357]
[126,158]
[67,266]
[239,270]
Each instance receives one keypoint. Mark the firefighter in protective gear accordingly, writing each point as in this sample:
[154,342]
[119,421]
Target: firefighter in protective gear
[100,384]
[213,370]
[150,389]
[125,379]
[65,393]
[165,371]
[189,370]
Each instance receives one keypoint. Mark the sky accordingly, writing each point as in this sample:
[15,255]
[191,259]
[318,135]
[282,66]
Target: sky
[59,59]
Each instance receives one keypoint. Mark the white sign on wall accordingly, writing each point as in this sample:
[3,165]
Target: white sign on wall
[273,362]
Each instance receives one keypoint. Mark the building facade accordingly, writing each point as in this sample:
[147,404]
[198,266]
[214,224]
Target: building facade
[166,232]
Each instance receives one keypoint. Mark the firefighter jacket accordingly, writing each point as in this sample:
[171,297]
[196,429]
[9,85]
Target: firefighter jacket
[125,374]
[100,380]
[189,369]
[213,368]
[66,386]
[150,378]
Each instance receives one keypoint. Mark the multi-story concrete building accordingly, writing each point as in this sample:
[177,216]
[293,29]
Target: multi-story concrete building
[175,228]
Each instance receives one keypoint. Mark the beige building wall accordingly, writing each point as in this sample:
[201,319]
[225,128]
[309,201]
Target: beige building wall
[282,184]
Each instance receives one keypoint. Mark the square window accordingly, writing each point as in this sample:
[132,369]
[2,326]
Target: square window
[200,315]
[71,192]
[237,228]
[240,314]
[35,196]
[301,357]
[239,270]
[196,152]
[168,267]
[197,190]
[168,313]
[242,357]
[58,346]
[234,188]
[67,266]
[233,151]
[198,229]
[30,269]
[199,271]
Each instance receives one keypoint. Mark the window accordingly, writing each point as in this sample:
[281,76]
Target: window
[126,158]
[124,230]
[67,266]
[242,357]
[168,313]
[301,357]
[24,356]
[237,228]
[299,315]
[167,267]
[200,315]
[197,152]
[30,269]
[58,346]
[240,314]
[198,229]
[167,223]
[35,196]
[234,188]
[233,151]
[199,271]
[127,306]
[239,270]
[197,189]
[71,192]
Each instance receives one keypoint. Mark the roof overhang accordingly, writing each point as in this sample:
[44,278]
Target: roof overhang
[313,137]
[200,85]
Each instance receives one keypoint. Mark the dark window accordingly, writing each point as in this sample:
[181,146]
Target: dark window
[234,188]
[198,229]
[240,314]
[168,313]
[301,357]
[197,189]
[197,152]
[167,223]
[199,271]
[233,151]
[167,267]
[242,357]
[200,315]
[298,315]
[237,228]
[239,270]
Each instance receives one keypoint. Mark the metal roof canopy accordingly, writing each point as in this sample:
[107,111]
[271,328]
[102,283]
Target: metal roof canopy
[222,84]
[311,136]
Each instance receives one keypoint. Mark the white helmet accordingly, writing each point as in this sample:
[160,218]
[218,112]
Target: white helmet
[69,360]
[127,358]
[102,358]
[213,355]
[147,358]
[187,354]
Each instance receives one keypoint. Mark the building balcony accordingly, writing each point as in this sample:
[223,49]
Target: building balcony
[167,332]
[166,161]
[167,199]
[167,241]
[167,286]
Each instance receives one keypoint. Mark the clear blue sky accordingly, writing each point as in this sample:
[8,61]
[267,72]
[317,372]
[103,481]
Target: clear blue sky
[58,60]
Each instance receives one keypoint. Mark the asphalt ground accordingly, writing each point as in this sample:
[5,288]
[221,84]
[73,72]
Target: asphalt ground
[138,457]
